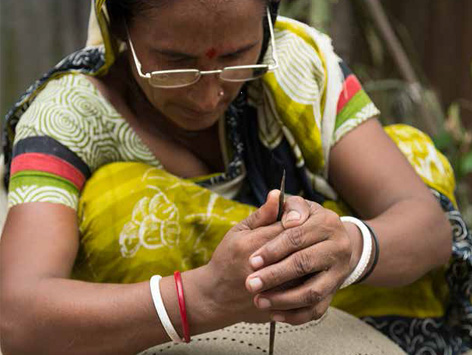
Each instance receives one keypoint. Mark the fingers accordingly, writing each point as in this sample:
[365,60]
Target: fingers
[320,226]
[301,304]
[243,243]
[265,215]
[302,315]
[310,293]
[254,239]
[320,257]
[296,211]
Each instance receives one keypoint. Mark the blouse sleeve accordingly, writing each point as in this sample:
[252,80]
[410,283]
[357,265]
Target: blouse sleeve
[354,105]
[54,147]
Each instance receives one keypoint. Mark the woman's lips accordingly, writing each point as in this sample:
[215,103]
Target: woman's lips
[196,113]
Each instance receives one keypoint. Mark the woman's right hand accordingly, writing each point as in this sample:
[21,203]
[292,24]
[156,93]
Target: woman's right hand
[226,273]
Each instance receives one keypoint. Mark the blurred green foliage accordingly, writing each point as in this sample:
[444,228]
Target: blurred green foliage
[317,13]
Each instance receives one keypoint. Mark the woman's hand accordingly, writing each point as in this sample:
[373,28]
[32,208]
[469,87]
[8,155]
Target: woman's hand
[299,271]
[226,273]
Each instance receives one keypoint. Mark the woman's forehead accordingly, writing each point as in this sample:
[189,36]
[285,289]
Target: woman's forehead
[221,24]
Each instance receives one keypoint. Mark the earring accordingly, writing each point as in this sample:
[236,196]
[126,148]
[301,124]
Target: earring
[221,93]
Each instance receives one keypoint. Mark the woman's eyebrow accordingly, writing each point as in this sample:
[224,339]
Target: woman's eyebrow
[240,50]
[172,53]
[177,54]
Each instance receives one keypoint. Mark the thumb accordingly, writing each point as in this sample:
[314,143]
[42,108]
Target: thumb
[264,215]
[296,211]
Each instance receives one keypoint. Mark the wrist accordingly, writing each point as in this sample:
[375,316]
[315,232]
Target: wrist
[200,312]
[216,313]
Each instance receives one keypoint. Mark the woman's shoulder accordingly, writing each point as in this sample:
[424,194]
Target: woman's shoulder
[306,60]
[65,84]
[70,111]
[69,102]
[76,93]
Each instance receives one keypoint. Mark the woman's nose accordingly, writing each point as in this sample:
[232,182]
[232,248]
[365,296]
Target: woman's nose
[206,93]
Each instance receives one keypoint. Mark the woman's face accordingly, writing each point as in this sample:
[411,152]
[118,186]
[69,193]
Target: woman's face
[196,34]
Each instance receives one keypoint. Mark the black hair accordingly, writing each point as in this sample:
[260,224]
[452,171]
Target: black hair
[128,9]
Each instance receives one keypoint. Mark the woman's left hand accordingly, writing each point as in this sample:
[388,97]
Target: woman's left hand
[300,270]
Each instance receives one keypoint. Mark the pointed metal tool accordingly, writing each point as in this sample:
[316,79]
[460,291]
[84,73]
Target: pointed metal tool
[281,198]
[279,217]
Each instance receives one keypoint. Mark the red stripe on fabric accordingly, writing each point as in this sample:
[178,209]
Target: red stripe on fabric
[48,164]
[351,87]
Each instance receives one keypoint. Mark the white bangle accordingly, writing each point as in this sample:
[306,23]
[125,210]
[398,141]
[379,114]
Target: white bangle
[161,310]
[366,251]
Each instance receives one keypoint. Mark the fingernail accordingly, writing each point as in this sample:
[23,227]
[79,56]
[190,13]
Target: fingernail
[256,262]
[264,303]
[255,284]
[293,216]
[278,318]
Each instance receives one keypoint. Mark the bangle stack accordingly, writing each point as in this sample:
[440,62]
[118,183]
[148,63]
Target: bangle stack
[368,236]
[161,310]
[376,253]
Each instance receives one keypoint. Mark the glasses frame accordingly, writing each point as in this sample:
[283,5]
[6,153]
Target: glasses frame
[270,67]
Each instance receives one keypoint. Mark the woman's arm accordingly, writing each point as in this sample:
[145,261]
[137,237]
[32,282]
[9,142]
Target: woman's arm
[42,311]
[373,177]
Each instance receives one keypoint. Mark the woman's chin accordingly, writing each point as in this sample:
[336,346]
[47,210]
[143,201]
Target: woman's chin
[196,122]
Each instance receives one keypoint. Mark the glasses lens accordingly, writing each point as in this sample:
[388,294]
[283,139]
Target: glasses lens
[243,74]
[174,80]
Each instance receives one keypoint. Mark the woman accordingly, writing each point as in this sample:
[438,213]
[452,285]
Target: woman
[191,152]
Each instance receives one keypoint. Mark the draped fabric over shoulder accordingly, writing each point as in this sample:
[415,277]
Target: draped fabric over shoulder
[65,143]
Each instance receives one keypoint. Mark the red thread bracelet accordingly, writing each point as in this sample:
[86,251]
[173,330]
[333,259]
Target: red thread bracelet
[183,312]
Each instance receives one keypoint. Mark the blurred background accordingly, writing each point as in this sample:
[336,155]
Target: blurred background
[413,57]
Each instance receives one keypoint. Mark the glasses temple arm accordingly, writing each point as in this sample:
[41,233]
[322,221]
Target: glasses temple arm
[135,57]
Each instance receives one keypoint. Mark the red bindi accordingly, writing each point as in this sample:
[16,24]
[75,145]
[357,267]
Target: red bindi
[211,53]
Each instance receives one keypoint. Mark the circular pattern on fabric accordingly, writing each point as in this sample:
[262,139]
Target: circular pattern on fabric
[72,111]
[130,145]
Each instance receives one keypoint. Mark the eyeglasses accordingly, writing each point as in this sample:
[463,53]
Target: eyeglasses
[172,79]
